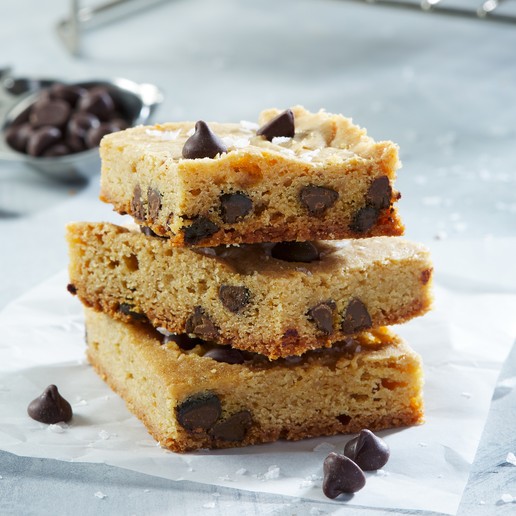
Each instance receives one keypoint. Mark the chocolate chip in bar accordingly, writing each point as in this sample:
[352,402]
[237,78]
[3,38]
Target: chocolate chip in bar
[127,309]
[281,125]
[364,219]
[182,340]
[201,325]
[317,199]
[199,229]
[356,317]
[50,407]
[204,143]
[341,475]
[226,355]
[199,412]
[154,203]
[53,112]
[367,450]
[41,139]
[234,428]
[137,206]
[379,193]
[322,316]
[235,298]
[295,252]
[234,207]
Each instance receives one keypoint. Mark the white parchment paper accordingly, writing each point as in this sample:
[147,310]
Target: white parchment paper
[463,341]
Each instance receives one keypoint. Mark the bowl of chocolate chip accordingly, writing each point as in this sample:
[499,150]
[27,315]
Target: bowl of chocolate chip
[57,129]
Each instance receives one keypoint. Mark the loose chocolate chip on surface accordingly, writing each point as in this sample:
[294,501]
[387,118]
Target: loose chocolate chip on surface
[317,199]
[234,298]
[295,252]
[322,316]
[204,143]
[281,125]
[356,317]
[54,112]
[199,412]
[234,428]
[137,205]
[41,139]
[183,341]
[127,309]
[50,407]
[364,219]
[341,475]
[200,324]
[199,229]
[234,207]
[154,203]
[226,354]
[368,451]
[379,193]
[71,288]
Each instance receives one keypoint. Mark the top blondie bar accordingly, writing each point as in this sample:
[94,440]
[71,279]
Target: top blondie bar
[293,176]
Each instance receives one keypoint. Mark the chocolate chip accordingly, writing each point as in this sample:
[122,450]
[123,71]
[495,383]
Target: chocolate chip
[317,199]
[204,143]
[148,232]
[425,276]
[41,139]
[368,451]
[379,193]
[234,428]
[344,419]
[183,341]
[154,203]
[57,150]
[281,125]
[127,309]
[341,475]
[234,298]
[234,207]
[322,315]
[137,205]
[200,228]
[199,412]
[71,288]
[356,317]
[17,136]
[70,94]
[97,101]
[54,112]
[200,324]
[95,134]
[364,219]
[225,354]
[50,407]
[295,252]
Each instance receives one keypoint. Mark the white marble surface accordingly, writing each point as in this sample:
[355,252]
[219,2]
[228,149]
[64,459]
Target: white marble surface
[443,88]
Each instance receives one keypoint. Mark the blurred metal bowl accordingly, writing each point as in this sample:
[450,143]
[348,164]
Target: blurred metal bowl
[138,101]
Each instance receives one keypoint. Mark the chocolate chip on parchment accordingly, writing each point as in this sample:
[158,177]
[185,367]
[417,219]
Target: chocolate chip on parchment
[341,475]
[200,228]
[50,407]
[199,412]
[71,288]
[317,199]
[379,193]
[295,252]
[154,203]
[200,324]
[234,207]
[356,317]
[281,125]
[234,298]
[204,143]
[127,309]
[364,219]
[137,206]
[367,450]
[322,316]
[226,354]
[182,340]
[234,428]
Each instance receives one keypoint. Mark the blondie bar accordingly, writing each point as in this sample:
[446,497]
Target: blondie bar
[320,178]
[275,299]
[204,398]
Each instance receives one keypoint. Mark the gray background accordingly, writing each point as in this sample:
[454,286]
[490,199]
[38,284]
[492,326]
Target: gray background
[444,88]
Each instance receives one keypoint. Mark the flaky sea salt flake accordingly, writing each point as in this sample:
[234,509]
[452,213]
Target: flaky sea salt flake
[164,135]
[507,498]
[511,459]
[272,474]
[324,447]
[241,472]
[209,505]
[100,495]
[58,428]
[249,126]
[278,140]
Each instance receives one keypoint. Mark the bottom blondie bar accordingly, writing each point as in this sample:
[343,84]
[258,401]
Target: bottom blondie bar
[193,394]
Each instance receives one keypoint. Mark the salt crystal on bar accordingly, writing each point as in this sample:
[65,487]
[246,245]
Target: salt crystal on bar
[511,458]
[100,494]
[164,135]
[58,428]
[249,126]
[507,498]
[277,140]
[324,447]
[272,473]
[236,143]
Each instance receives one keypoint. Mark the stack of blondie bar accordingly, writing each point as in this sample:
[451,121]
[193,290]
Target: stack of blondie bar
[250,300]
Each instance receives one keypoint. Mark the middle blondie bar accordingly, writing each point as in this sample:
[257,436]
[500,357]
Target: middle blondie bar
[275,299]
